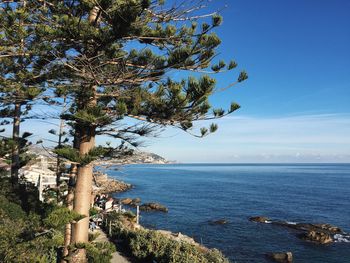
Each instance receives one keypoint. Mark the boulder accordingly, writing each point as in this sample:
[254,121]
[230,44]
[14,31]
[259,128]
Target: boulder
[136,200]
[153,207]
[131,202]
[104,185]
[126,201]
[282,257]
[330,228]
[259,219]
[317,237]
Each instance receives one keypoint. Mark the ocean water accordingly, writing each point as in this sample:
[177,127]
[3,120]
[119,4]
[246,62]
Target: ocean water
[198,193]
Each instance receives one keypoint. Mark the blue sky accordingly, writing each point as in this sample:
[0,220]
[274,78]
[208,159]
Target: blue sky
[296,102]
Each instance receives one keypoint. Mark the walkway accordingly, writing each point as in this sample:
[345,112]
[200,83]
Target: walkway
[117,257]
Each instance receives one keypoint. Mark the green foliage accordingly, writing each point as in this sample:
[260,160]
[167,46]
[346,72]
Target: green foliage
[148,246]
[218,112]
[217,20]
[13,211]
[23,237]
[99,252]
[213,128]
[25,57]
[129,214]
[93,236]
[109,81]
[93,211]
[242,76]
[73,155]
[6,146]
[204,131]
[232,65]
[59,217]
[91,116]
[234,106]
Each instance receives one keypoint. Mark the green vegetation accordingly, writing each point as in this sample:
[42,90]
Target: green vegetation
[100,252]
[108,64]
[149,246]
[36,233]
[25,237]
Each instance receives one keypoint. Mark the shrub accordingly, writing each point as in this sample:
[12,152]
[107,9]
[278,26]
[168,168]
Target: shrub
[149,246]
[100,252]
[23,237]
[93,211]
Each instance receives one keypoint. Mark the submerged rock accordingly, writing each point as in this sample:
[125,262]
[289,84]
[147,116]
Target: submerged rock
[317,233]
[219,222]
[259,219]
[282,257]
[136,200]
[153,207]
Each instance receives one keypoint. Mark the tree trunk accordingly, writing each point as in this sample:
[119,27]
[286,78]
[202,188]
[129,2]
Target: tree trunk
[59,143]
[69,203]
[82,195]
[15,147]
[83,187]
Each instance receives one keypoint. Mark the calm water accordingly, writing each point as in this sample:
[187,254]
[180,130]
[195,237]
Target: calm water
[196,194]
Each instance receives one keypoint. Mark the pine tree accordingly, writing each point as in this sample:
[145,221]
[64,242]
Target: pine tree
[24,66]
[117,56]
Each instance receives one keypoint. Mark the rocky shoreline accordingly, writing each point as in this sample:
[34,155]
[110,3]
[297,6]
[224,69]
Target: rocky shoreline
[106,185]
[322,234]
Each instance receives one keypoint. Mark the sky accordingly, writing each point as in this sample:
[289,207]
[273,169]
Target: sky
[295,106]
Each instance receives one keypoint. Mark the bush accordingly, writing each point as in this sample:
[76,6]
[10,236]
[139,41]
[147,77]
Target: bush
[93,211]
[149,246]
[12,210]
[23,237]
[100,252]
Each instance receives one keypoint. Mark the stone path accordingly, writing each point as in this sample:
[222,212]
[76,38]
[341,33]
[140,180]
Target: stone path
[117,257]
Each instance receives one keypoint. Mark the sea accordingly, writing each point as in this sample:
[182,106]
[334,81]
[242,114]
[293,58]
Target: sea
[197,194]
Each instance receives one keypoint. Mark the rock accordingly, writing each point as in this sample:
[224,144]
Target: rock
[259,219]
[126,201]
[131,202]
[105,185]
[317,237]
[317,233]
[153,207]
[219,222]
[282,257]
[136,201]
[330,228]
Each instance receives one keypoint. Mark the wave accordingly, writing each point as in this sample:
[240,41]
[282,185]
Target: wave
[341,238]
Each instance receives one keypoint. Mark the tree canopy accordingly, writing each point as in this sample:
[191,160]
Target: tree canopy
[112,61]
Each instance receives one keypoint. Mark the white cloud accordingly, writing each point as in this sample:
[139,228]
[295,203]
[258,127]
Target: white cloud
[304,138]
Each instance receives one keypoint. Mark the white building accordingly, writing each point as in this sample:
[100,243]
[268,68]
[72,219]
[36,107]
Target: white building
[32,173]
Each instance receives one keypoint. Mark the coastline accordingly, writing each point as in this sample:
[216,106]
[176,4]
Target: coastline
[226,189]
[104,184]
[129,225]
